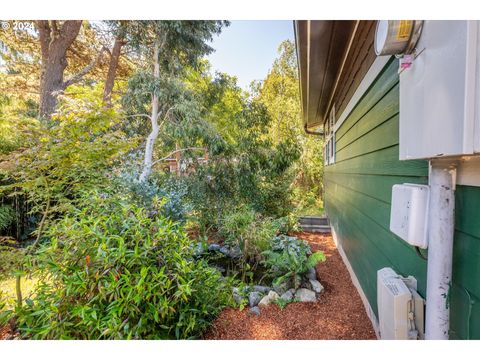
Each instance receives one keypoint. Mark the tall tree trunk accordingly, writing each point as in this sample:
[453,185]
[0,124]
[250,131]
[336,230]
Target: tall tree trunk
[51,83]
[112,70]
[147,165]
[54,42]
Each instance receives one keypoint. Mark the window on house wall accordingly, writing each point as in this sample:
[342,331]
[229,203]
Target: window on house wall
[326,153]
[329,150]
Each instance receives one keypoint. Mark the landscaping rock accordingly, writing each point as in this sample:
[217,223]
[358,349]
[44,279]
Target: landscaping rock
[254,298]
[214,247]
[255,310]
[236,295]
[316,286]
[305,295]
[306,284]
[288,295]
[235,252]
[280,289]
[311,274]
[261,289]
[219,268]
[309,250]
[198,251]
[225,251]
[268,299]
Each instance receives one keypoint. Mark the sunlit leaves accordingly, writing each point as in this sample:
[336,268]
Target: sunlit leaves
[140,280]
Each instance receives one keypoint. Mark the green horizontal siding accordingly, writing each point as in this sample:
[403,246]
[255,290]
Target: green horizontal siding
[358,189]
[381,162]
[359,186]
[465,295]
[380,112]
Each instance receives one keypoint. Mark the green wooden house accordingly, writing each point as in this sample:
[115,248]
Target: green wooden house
[407,116]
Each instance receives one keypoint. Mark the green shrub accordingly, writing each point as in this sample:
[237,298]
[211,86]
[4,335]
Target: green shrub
[145,193]
[11,257]
[286,224]
[288,259]
[236,225]
[308,201]
[245,228]
[113,272]
[71,154]
[7,216]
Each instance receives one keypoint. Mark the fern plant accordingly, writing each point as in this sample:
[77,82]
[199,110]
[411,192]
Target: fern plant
[288,259]
[7,215]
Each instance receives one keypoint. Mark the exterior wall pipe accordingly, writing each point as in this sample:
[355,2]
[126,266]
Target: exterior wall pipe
[441,219]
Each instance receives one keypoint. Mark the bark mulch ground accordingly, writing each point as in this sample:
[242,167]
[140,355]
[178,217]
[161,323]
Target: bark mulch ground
[6,333]
[337,315]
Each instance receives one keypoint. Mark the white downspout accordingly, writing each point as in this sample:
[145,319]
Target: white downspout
[440,248]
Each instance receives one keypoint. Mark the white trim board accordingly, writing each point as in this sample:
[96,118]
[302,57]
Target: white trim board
[367,80]
[356,283]
[468,171]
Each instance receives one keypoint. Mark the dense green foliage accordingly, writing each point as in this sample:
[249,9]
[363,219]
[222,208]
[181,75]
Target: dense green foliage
[288,258]
[7,216]
[113,272]
[245,166]
[108,247]
[252,233]
[279,92]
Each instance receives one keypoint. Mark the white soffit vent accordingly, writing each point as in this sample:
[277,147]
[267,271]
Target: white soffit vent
[409,213]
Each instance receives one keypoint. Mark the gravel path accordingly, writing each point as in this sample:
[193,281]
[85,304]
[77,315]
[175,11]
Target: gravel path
[338,315]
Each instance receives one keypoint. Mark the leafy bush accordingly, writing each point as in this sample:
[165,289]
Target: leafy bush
[237,224]
[7,216]
[289,258]
[245,228]
[244,166]
[282,302]
[307,201]
[112,271]
[16,123]
[287,224]
[146,193]
[71,154]
[11,257]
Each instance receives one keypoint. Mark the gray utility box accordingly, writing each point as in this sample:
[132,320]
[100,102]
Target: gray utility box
[440,93]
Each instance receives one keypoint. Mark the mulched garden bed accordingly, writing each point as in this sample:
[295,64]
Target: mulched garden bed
[6,333]
[337,315]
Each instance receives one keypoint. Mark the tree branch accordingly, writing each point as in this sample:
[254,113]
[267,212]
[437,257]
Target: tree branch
[174,152]
[78,76]
[44,32]
[54,28]
[44,217]
[68,33]
[137,115]
[166,114]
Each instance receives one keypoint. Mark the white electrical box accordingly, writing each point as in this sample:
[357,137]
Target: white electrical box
[400,308]
[409,213]
[440,92]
